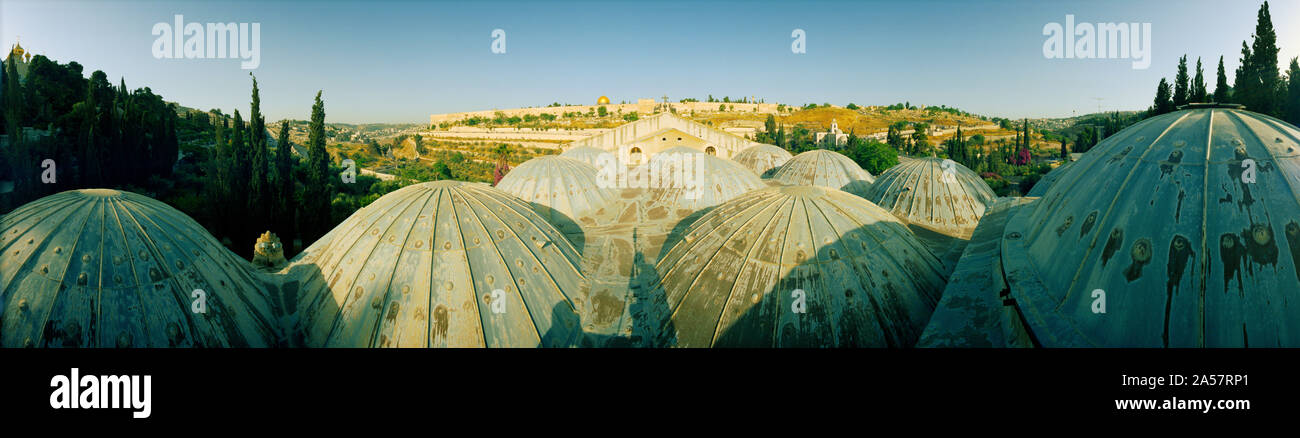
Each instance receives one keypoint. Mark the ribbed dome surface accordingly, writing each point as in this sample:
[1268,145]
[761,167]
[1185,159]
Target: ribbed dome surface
[105,268]
[564,184]
[421,267]
[742,271]
[922,192]
[762,158]
[586,154]
[1163,220]
[720,179]
[823,168]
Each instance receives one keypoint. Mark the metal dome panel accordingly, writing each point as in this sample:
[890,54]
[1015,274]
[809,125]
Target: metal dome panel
[762,158]
[740,273]
[824,168]
[564,184]
[922,192]
[105,268]
[1168,223]
[441,264]
[722,180]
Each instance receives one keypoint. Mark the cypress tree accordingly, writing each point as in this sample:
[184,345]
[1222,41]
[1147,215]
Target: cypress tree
[259,190]
[316,199]
[1243,88]
[239,170]
[1198,93]
[284,189]
[1180,83]
[1221,84]
[1163,102]
[1267,94]
[1293,93]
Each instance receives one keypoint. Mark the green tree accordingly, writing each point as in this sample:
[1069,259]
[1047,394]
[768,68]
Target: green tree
[1198,92]
[1221,84]
[284,187]
[259,186]
[317,190]
[1267,95]
[1293,93]
[1163,102]
[1180,83]
[871,155]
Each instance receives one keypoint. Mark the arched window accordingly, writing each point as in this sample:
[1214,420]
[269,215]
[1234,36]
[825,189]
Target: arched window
[710,150]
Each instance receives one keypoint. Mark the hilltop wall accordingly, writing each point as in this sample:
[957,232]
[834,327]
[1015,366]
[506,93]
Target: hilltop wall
[643,107]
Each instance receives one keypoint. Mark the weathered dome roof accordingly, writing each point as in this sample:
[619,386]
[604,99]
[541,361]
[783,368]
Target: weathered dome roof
[735,277]
[820,167]
[564,184]
[1163,219]
[921,192]
[721,181]
[1043,184]
[762,158]
[105,268]
[422,267]
[586,154]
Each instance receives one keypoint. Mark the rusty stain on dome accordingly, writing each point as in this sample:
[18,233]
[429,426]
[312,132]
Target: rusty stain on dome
[722,179]
[470,234]
[107,268]
[763,158]
[923,192]
[565,185]
[824,168]
[1165,219]
[862,277]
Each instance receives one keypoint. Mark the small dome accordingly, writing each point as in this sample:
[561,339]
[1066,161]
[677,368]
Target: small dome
[564,184]
[586,154]
[105,268]
[441,264]
[1185,227]
[798,266]
[762,158]
[923,192]
[824,168]
[720,179]
[602,100]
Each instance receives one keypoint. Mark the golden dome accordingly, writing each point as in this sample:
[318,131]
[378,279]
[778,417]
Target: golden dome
[602,101]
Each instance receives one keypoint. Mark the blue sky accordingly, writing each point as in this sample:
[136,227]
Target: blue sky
[401,61]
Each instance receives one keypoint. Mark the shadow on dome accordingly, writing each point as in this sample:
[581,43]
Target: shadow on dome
[646,311]
[847,303]
[570,228]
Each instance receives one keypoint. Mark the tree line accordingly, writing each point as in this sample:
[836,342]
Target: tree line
[1257,84]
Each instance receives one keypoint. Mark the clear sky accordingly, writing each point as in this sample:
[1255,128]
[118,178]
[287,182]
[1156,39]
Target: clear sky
[401,61]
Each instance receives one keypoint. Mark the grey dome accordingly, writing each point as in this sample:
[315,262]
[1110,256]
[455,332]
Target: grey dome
[920,193]
[1043,184]
[762,158]
[731,280]
[420,266]
[824,168]
[105,268]
[1159,218]
[722,180]
[586,154]
[566,185]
